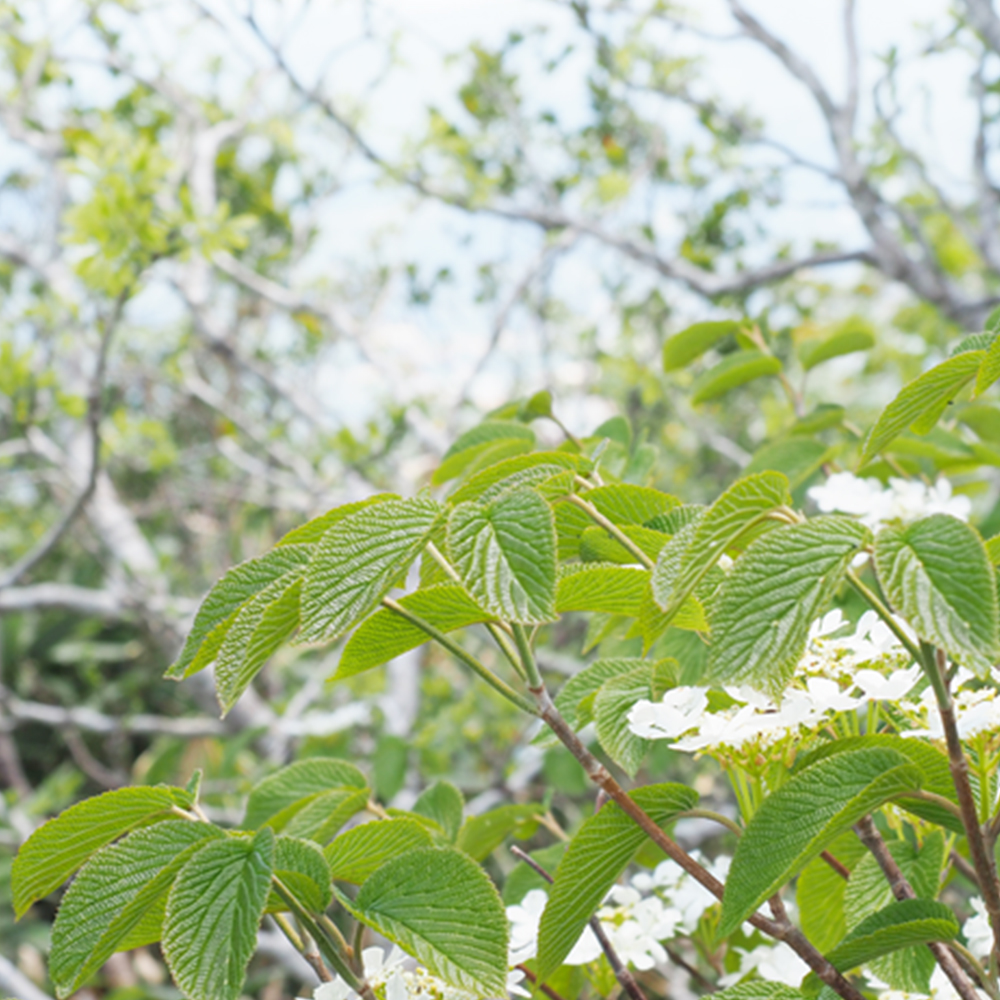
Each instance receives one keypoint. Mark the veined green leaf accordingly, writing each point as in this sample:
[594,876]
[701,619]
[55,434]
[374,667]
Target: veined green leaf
[595,858]
[920,404]
[116,894]
[386,635]
[505,552]
[312,531]
[522,470]
[989,369]
[599,545]
[320,817]
[359,560]
[652,623]
[993,550]
[213,912]
[803,817]
[682,348]
[498,438]
[481,835]
[900,925]
[673,521]
[583,687]
[819,892]
[815,352]
[759,989]
[60,846]
[761,614]
[438,905]
[357,853]
[938,576]
[612,703]
[798,458]
[733,370]
[444,804]
[224,600]
[974,342]
[297,783]
[825,416]
[611,589]
[746,504]
[302,868]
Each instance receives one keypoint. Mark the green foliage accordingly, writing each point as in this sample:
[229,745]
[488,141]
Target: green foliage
[360,851]
[732,371]
[280,796]
[444,804]
[688,345]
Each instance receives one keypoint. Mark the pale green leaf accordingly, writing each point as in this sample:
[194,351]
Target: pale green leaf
[359,560]
[993,550]
[820,890]
[732,371]
[522,470]
[921,403]
[60,846]
[989,370]
[596,857]
[213,912]
[936,573]
[312,531]
[356,853]
[799,458]
[612,703]
[505,552]
[611,589]
[758,989]
[302,868]
[583,686]
[815,352]
[498,438]
[386,635]
[481,835]
[296,783]
[803,817]
[597,544]
[117,892]
[682,348]
[761,614]
[321,816]
[440,907]
[444,804]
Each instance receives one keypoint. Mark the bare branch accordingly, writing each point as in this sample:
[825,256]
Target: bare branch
[14,983]
[985,20]
[853,65]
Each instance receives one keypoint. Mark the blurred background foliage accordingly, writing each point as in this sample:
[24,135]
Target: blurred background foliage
[251,268]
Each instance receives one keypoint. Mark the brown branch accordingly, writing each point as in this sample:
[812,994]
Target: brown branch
[837,866]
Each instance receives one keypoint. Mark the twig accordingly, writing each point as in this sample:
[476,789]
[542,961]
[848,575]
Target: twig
[837,866]
[533,979]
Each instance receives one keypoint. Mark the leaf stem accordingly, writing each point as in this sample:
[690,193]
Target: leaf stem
[498,685]
[612,529]
[716,817]
[534,678]
[883,611]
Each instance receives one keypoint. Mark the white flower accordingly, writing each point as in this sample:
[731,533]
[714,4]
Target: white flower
[776,964]
[524,919]
[514,987]
[878,687]
[977,930]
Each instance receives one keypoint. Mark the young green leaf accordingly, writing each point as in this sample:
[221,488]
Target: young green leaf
[481,835]
[505,552]
[444,804]
[761,614]
[759,989]
[900,925]
[993,550]
[438,905]
[118,893]
[799,458]
[386,635]
[682,348]
[522,470]
[359,560]
[599,545]
[498,439]
[815,352]
[213,913]
[595,858]
[922,402]
[803,817]
[56,849]
[820,889]
[612,703]
[938,576]
[615,590]
[320,817]
[302,868]
[732,371]
[583,687]
[297,783]
[312,531]
[989,370]
[357,853]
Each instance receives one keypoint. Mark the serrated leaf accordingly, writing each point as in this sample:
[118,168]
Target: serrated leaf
[357,853]
[989,369]
[481,835]
[820,890]
[759,989]
[239,585]
[498,438]
[673,521]
[682,348]
[599,545]
[386,635]
[937,574]
[694,551]
[595,587]
[297,783]
[612,703]
[505,553]
[825,416]
[522,470]
[302,868]
[814,353]
[900,925]
[732,371]
[312,531]
[214,910]
[652,623]
[320,817]
[993,550]
[583,686]
[802,818]
[761,614]
[440,907]
[444,804]
[595,858]
[359,560]
[921,403]
[122,888]
[60,846]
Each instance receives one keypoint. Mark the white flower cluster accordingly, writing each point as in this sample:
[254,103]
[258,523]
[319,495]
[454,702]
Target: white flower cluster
[874,505]
[940,989]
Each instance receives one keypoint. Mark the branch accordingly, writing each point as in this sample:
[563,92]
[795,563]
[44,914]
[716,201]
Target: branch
[985,20]
[64,597]
[13,982]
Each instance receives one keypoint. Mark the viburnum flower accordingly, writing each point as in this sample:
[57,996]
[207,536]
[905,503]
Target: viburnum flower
[977,930]
[775,963]
[524,919]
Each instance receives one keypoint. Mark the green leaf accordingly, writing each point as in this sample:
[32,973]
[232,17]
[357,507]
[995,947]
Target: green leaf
[386,635]
[583,687]
[440,907]
[937,574]
[611,589]
[522,470]
[359,560]
[295,785]
[312,531]
[224,600]
[993,550]
[122,888]
[60,846]
[444,804]
[481,835]
[759,989]
[798,458]
[597,544]
[682,348]
[539,405]
[820,890]
[684,563]
[899,925]
[814,353]
[302,868]
[803,817]
[825,416]
[213,912]
[594,860]
[358,852]
[921,403]
[989,370]
[761,614]
[733,370]
[505,552]
[498,438]
[320,817]
[523,878]
[612,703]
